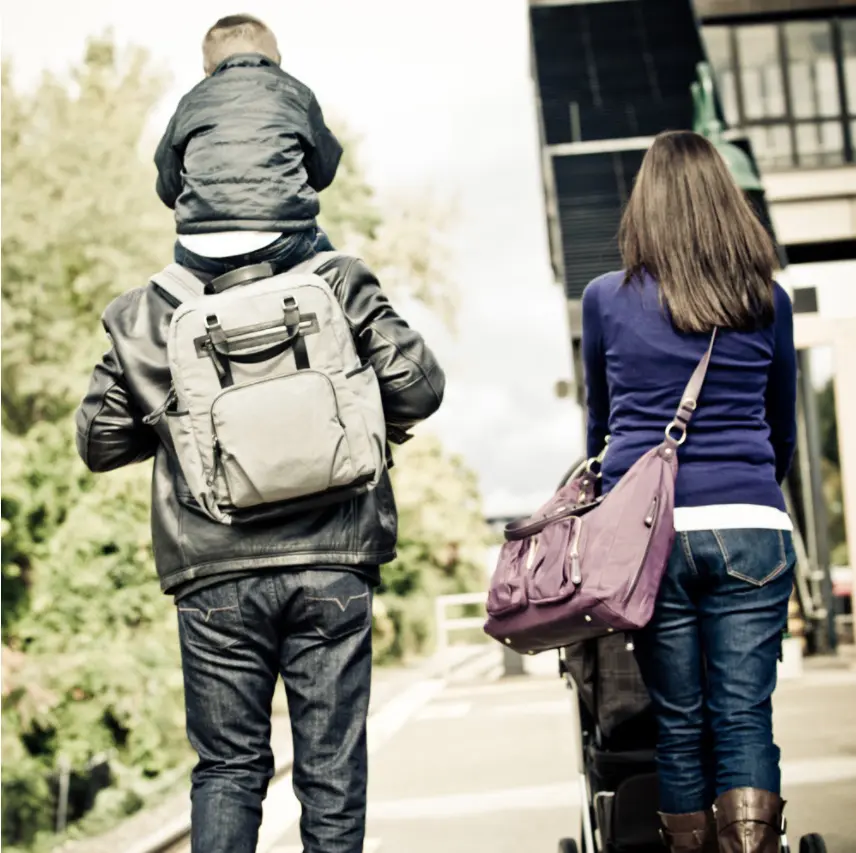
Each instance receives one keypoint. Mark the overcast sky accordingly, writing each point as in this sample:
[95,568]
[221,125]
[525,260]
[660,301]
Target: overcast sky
[442,96]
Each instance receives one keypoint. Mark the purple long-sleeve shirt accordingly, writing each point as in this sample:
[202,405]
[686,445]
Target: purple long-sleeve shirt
[742,437]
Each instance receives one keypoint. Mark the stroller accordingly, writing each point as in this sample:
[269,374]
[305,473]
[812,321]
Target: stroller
[617,737]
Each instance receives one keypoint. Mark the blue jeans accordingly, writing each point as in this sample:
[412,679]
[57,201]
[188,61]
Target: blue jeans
[313,628]
[288,250]
[709,659]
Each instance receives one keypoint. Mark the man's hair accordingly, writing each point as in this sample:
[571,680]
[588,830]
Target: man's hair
[237,34]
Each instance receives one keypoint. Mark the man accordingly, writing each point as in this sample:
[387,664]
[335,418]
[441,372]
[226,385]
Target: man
[290,597]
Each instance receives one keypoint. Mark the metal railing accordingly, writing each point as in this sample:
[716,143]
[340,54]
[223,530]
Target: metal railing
[446,626]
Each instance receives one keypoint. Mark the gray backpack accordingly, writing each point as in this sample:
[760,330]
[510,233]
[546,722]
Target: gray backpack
[270,407]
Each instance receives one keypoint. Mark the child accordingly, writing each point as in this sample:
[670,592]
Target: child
[244,157]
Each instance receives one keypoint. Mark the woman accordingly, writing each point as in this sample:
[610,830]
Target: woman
[696,258]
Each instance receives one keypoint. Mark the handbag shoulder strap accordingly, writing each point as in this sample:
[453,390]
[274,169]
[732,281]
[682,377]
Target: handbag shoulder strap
[689,400]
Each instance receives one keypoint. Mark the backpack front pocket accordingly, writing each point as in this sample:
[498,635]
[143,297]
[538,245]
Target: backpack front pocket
[281,438]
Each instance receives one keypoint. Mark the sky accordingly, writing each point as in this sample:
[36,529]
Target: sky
[441,95]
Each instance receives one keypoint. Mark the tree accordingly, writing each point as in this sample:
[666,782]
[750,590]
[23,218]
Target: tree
[81,223]
[442,544]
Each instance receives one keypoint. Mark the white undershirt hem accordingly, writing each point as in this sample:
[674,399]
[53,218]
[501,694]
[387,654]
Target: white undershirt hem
[731,517]
[228,244]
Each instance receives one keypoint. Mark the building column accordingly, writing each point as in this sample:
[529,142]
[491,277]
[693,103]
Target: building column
[844,344]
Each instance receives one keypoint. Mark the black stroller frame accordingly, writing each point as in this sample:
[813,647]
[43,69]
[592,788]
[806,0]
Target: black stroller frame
[617,775]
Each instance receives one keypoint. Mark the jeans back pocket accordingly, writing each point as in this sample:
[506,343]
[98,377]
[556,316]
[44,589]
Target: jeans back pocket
[338,603]
[211,618]
[756,555]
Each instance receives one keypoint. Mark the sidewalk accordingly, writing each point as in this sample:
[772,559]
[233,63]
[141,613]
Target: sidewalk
[489,766]
[169,816]
[814,726]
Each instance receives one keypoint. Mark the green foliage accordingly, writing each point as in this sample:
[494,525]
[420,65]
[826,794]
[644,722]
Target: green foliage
[441,545]
[80,223]
[831,466]
[90,654]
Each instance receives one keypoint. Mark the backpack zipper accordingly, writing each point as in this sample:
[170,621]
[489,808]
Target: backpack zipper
[154,417]
[215,468]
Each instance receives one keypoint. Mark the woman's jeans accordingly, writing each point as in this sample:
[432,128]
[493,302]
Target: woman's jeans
[709,659]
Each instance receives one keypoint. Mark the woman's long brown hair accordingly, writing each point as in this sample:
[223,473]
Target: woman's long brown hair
[690,227]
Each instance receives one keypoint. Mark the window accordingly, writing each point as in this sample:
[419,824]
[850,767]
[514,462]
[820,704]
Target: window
[848,48]
[791,87]
[812,71]
[718,41]
[762,81]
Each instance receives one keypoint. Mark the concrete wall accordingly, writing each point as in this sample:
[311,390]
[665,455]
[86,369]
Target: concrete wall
[813,205]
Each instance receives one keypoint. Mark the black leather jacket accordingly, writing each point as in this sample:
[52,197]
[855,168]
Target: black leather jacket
[247,150]
[133,380]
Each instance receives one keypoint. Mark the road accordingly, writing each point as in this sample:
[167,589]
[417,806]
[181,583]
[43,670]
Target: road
[490,766]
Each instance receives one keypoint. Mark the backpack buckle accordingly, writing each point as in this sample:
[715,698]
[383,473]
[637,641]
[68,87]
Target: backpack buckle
[292,313]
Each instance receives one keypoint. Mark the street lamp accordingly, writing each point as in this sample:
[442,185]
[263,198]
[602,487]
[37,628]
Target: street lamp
[707,123]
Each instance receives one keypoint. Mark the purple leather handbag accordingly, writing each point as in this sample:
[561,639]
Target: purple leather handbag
[584,566]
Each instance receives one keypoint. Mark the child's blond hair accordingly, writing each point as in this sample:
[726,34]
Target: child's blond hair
[237,34]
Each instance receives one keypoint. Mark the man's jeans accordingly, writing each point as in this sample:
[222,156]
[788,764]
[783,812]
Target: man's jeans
[313,628]
[287,251]
[709,658]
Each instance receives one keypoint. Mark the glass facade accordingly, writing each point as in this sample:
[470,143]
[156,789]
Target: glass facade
[791,86]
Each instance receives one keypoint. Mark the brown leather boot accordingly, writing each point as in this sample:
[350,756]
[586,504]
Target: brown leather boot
[749,820]
[689,833]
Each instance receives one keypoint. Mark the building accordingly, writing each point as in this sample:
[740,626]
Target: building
[786,76]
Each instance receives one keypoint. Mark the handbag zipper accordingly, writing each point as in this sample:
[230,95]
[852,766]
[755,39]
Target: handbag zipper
[530,556]
[574,553]
[650,520]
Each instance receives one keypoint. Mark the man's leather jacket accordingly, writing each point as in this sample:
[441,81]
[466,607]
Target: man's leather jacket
[133,379]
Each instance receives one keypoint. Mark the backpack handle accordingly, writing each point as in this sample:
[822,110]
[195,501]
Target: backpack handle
[258,356]
[242,275]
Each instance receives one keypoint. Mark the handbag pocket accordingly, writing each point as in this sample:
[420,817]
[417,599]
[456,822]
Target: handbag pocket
[551,565]
[508,588]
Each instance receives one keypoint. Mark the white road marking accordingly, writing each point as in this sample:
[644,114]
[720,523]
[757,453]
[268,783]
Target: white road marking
[538,798]
[817,771]
[819,678]
[531,709]
[526,685]
[282,810]
[456,710]
[446,711]
[371,845]
[567,795]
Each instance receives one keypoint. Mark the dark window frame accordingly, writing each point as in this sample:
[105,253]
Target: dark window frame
[846,117]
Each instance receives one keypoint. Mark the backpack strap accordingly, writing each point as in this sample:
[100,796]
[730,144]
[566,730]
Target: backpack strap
[317,261]
[178,283]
